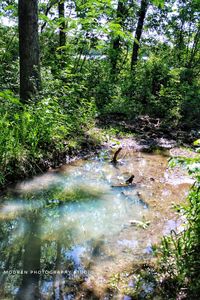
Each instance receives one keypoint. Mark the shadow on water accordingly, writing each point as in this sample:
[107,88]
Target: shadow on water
[61,228]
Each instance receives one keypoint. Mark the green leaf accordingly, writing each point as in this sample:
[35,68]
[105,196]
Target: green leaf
[196,143]
[9,7]
[159,3]
[8,95]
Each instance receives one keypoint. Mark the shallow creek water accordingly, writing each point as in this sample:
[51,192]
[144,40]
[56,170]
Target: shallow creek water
[73,227]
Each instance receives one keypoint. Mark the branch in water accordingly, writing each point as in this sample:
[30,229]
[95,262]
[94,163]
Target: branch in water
[114,160]
[130,180]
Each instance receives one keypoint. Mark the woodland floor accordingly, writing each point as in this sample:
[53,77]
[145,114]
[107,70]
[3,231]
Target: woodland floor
[151,133]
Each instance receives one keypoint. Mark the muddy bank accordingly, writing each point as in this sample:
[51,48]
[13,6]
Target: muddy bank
[53,159]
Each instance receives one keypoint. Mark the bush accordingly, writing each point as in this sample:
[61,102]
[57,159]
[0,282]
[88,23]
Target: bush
[35,131]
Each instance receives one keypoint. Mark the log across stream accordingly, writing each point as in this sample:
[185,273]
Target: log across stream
[72,228]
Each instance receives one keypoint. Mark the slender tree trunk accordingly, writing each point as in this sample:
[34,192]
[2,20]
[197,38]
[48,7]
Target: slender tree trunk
[48,9]
[115,48]
[180,43]
[115,54]
[28,49]
[195,48]
[138,32]
[61,12]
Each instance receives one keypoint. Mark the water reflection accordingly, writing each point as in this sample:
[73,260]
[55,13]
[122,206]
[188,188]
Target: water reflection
[56,224]
[29,287]
[59,228]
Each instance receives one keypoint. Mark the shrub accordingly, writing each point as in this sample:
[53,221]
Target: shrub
[35,131]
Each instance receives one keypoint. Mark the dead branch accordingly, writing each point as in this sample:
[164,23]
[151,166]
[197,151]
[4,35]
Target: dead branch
[114,160]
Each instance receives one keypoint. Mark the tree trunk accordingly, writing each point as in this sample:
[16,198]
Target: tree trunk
[115,48]
[61,12]
[28,49]
[138,32]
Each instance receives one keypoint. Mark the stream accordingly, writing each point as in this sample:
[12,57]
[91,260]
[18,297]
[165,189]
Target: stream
[70,229]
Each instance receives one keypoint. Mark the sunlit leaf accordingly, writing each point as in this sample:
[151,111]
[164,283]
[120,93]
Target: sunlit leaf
[196,143]
[159,3]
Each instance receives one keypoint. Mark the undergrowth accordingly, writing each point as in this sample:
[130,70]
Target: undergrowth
[33,134]
[179,252]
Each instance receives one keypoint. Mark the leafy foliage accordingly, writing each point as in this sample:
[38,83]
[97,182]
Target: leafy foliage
[180,251]
[31,132]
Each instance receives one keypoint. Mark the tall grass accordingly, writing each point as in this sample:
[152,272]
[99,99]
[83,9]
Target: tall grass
[32,132]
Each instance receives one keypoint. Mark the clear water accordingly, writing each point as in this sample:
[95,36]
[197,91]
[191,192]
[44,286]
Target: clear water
[75,225]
